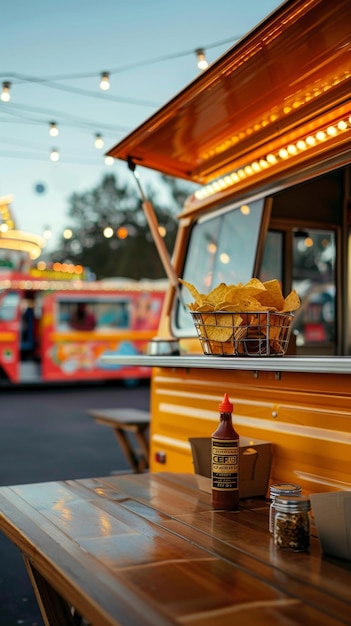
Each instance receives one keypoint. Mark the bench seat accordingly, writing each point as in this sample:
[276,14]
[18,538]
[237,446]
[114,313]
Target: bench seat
[131,428]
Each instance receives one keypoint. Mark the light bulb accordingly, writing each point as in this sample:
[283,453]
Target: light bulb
[201,59]
[53,130]
[54,155]
[105,82]
[108,232]
[5,95]
[99,142]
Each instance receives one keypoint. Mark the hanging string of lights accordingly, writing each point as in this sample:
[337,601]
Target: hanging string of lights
[104,85]
[104,77]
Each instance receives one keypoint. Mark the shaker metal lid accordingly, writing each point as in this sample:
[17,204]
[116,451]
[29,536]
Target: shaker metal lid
[284,489]
[292,504]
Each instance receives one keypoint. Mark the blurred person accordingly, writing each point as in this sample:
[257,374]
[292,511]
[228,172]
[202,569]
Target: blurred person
[83,319]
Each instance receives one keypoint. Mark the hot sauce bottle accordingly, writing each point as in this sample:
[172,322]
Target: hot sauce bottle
[225,460]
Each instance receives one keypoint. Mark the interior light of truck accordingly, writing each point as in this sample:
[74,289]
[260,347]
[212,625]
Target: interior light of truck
[301,145]
[245,209]
[271,159]
[212,248]
[321,136]
[224,258]
[310,140]
[331,131]
[292,149]
[222,183]
[285,152]
[342,125]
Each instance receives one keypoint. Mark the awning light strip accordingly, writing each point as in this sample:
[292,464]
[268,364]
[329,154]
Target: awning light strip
[272,159]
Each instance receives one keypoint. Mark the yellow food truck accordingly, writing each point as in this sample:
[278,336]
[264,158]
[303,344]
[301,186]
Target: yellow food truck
[265,132]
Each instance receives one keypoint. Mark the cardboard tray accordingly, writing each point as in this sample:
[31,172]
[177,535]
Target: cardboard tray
[255,459]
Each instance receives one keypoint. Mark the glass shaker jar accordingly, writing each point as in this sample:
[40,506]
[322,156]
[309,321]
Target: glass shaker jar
[292,523]
[280,489]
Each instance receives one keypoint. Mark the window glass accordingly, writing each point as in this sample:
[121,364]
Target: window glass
[86,315]
[8,307]
[221,249]
[314,280]
[272,262]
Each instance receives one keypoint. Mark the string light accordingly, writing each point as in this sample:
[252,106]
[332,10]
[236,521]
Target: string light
[105,81]
[5,95]
[99,142]
[108,232]
[201,59]
[53,130]
[47,234]
[109,160]
[122,232]
[54,155]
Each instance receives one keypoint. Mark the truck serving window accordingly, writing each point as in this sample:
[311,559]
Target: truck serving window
[308,258]
[221,249]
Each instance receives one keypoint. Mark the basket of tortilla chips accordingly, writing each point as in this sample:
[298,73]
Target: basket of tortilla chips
[253,319]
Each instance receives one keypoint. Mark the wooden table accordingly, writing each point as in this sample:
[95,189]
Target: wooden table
[147,549]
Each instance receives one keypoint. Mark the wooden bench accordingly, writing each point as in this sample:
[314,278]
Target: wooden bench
[128,423]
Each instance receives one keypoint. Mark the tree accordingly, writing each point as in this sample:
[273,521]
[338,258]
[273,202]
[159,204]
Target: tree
[129,251]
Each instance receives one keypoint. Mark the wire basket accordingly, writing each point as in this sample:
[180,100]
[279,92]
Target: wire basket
[243,334]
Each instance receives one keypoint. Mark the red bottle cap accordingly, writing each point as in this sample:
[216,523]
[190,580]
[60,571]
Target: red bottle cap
[225,406]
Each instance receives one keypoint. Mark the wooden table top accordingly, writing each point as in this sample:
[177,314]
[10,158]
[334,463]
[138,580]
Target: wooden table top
[147,549]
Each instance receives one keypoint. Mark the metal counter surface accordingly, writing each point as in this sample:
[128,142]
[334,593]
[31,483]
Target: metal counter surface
[311,364]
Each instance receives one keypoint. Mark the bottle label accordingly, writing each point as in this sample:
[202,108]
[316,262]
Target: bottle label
[225,464]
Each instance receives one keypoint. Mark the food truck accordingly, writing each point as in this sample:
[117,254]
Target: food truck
[55,325]
[265,132]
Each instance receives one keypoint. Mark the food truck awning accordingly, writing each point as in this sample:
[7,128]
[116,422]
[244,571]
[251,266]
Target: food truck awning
[293,67]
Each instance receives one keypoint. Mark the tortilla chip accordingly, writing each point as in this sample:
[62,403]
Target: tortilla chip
[291,302]
[272,295]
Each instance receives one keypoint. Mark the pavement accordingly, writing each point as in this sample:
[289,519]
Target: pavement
[46,434]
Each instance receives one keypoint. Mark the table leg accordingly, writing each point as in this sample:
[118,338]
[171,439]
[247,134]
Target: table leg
[54,609]
[136,463]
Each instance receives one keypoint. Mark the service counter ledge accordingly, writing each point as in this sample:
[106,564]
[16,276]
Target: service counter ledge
[311,364]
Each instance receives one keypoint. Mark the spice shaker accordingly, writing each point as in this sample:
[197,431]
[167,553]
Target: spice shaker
[292,523]
[280,489]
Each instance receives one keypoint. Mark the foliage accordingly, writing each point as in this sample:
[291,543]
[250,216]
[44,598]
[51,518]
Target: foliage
[115,204]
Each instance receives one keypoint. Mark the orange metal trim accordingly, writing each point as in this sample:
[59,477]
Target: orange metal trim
[290,70]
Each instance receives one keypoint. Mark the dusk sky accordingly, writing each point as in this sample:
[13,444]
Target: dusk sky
[53,55]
